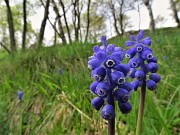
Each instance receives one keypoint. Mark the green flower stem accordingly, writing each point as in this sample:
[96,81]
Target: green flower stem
[141,108]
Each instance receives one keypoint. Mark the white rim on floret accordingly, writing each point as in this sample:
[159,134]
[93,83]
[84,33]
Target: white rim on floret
[128,56]
[139,49]
[149,56]
[107,63]
[121,80]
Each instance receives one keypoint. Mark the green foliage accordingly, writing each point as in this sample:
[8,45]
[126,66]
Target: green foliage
[60,104]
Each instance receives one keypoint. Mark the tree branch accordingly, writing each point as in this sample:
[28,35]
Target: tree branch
[9,52]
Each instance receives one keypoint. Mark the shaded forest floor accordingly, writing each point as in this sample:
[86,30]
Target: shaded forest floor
[56,103]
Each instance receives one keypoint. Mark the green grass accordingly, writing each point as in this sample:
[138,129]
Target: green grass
[56,104]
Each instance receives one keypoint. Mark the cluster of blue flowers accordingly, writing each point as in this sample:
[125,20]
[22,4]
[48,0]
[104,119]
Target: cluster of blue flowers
[109,75]
[142,62]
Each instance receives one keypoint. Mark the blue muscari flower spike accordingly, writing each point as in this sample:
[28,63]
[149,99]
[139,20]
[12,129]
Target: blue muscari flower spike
[20,93]
[110,78]
[142,62]
[60,71]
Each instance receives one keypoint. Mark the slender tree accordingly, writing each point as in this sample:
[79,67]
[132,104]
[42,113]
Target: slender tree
[121,16]
[88,21]
[11,27]
[76,18]
[58,16]
[43,24]
[24,26]
[55,33]
[148,4]
[118,10]
[65,19]
[112,7]
[175,12]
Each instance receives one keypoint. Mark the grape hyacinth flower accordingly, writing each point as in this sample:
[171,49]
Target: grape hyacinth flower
[109,84]
[19,93]
[142,63]
[60,71]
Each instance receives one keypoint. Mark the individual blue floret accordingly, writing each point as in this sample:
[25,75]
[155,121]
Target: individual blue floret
[97,103]
[107,112]
[125,107]
[121,95]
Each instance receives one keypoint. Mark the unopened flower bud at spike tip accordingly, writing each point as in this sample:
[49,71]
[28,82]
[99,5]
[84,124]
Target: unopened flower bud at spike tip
[101,55]
[129,43]
[103,40]
[146,41]
[110,48]
[107,112]
[140,35]
[131,37]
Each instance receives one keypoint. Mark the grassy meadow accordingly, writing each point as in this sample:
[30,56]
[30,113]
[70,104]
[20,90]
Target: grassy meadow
[59,104]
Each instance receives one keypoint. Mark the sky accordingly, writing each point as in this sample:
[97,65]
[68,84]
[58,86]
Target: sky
[159,7]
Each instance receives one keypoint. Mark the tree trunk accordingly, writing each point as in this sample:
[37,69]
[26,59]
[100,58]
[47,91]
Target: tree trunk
[76,21]
[56,10]
[114,17]
[65,19]
[121,17]
[11,27]
[175,13]
[79,20]
[152,23]
[88,21]
[43,24]
[55,33]
[25,26]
